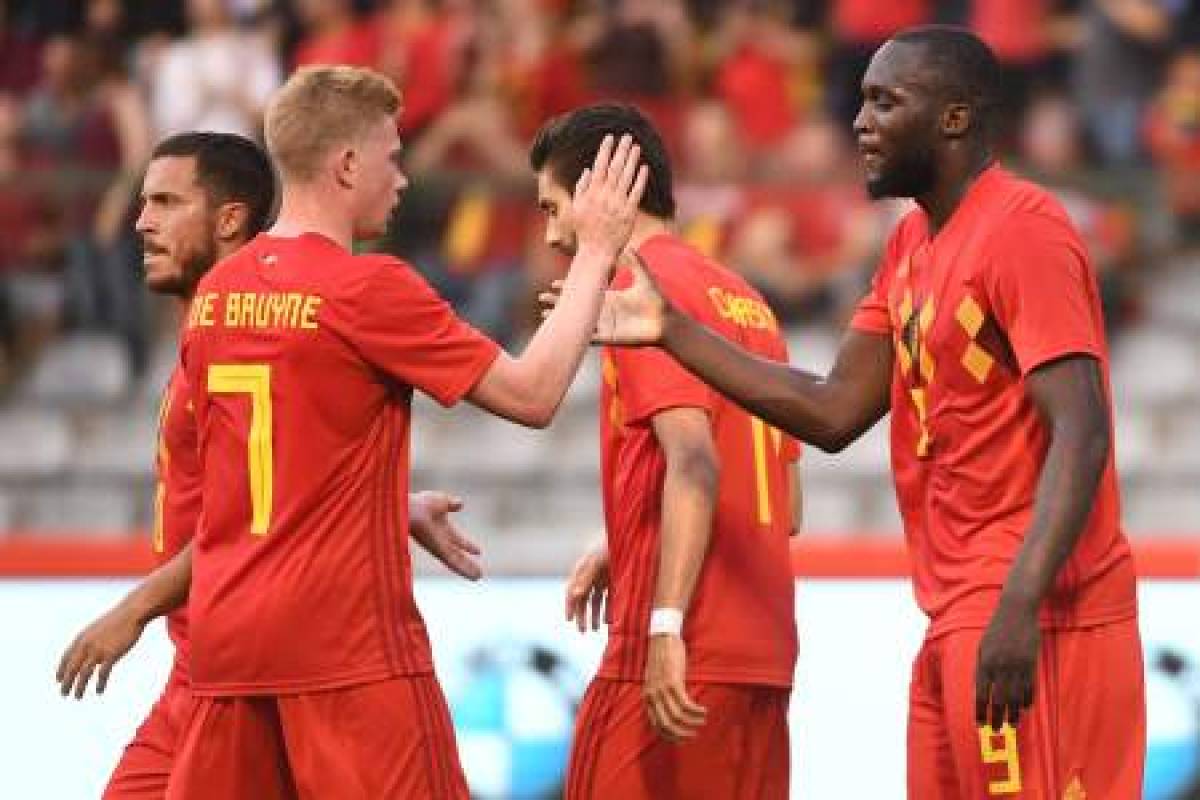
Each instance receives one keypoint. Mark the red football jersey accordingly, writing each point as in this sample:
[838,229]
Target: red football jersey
[741,624]
[177,494]
[1005,287]
[301,359]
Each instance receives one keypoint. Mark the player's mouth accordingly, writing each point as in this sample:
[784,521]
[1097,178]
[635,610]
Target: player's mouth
[152,252]
[872,158]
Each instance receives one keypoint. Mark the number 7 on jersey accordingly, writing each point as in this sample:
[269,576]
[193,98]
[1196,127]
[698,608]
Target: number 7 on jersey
[254,380]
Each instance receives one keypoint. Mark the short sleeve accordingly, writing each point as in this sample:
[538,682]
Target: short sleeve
[872,314]
[404,329]
[1042,292]
[652,381]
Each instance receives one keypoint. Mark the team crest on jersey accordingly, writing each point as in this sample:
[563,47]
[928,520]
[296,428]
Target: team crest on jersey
[1075,790]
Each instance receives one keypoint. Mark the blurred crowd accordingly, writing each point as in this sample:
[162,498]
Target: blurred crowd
[755,99]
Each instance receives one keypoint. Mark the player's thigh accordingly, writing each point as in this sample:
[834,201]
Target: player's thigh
[1084,736]
[232,748]
[742,750]
[386,739]
[145,764]
[930,773]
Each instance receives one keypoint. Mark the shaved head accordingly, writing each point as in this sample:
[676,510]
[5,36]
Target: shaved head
[959,67]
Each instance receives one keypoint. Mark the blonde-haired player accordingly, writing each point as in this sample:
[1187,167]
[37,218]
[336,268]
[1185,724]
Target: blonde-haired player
[311,664]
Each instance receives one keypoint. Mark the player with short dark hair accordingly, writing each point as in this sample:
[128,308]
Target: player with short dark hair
[982,334]
[691,698]
[204,195]
[311,665]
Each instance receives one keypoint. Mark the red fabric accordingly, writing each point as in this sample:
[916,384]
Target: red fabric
[1172,133]
[427,60]
[1085,735]
[323,598]
[1015,29]
[177,494]
[755,87]
[356,44]
[389,738]
[819,215]
[968,449]
[870,22]
[145,765]
[740,753]
[740,626]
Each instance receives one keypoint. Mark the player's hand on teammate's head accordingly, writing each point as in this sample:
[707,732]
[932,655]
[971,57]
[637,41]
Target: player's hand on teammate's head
[634,316]
[430,525]
[606,197]
[587,588]
[98,647]
[673,713]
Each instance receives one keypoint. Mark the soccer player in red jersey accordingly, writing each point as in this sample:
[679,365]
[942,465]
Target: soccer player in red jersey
[311,666]
[691,698]
[203,196]
[982,334]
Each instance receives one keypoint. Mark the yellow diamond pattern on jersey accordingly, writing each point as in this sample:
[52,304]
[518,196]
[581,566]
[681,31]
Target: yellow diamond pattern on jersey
[975,359]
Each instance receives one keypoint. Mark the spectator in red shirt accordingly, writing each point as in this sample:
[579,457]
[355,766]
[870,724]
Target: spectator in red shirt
[333,34]
[1172,132]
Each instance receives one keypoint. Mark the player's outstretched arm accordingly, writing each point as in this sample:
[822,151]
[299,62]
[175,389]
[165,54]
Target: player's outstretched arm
[529,389]
[1069,396]
[106,641]
[828,412]
[689,497]
[430,526]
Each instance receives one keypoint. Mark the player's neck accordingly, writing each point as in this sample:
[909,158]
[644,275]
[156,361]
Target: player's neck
[954,180]
[304,211]
[646,227]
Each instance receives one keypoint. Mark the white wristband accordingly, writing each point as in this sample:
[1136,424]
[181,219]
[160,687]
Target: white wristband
[666,621]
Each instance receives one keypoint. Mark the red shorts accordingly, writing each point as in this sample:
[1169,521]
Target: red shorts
[1084,737]
[388,739]
[741,753]
[145,766]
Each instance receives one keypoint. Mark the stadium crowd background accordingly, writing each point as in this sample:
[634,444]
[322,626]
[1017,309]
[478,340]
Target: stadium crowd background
[755,100]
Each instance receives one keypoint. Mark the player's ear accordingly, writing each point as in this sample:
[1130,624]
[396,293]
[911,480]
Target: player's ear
[232,219]
[957,120]
[346,167]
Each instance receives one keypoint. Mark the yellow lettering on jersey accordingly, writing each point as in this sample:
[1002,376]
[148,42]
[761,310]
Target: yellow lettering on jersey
[308,318]
[232,303]
[262,311]
[294,301]
[278,307]
[246,313]
[273,310]
[745,312]
[202,311]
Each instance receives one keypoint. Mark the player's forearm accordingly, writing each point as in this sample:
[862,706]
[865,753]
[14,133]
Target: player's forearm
[1074,466]
[543,373]
[689,500]
[826,412]
[163,590]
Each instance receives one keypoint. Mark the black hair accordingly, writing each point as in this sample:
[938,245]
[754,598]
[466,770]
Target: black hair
[567,145]
[230,168]
[965,66]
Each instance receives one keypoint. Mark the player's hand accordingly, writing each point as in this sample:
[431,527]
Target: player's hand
[673,713]
[633,316]
[429,524]
[605,202]
[99,647]
[1004,673]
[588,587]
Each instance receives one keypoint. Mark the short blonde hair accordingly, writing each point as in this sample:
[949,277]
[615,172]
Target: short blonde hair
[323,107]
